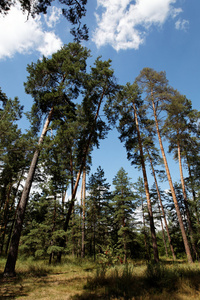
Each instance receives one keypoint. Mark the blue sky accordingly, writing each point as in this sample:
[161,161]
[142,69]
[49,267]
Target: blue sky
[160,34]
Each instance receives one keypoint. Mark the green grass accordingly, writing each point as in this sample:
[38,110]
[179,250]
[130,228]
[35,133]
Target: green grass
[78,279]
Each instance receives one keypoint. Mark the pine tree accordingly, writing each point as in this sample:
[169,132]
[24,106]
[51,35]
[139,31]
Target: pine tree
[100,86]
[155,86]
[52,83]
[123,205]
[13,160]
[154,159]
[173,222]
[179,126]
[98,211]
[131,109]
[140,197]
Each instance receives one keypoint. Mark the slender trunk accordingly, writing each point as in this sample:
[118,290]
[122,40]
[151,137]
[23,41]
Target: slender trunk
[73,214]
[63,203]
[83,214]
[53,229]
[12,208]
[186,202]
[125,245]
[124,234]
[94,242]
[5,216]
[13,251]
[153,232]
[83,163]
[73,234]
[11,230]
[193,191]
[185,240]
[148,254]
[72,175]
[163,232]
[161,205]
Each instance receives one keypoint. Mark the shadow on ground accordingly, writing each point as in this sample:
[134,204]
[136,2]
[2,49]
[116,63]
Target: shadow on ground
[157,282]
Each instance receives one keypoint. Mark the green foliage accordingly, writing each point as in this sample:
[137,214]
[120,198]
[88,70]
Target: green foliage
[98,211]
[56,81]
[123,205]
[79,96]
[110,256]
[54,249]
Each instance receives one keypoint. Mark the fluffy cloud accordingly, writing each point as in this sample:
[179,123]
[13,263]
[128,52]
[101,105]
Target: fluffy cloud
[123,24]
[22,35]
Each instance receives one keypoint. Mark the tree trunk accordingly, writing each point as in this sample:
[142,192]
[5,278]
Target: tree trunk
[83,163]
[185,240]
[161,205]
[94,242]
[152,227]
[146,243]
[13,251]
[193,191]
[53,228]
[83,214]
[125,245]
[186,202]
[12,207]
[5,216]
[163,232]
[73,233]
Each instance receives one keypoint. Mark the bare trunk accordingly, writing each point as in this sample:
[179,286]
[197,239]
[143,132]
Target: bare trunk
[146,243]
[161,205]
[12,208]
[125,244]
[73,215]
[152,227]
[186,202]
[5,217]
[193,191]
[73,234]
[94,242]
[53,228]
[83,215]
[13,251]
[185,240]
[63,203]
[163,232]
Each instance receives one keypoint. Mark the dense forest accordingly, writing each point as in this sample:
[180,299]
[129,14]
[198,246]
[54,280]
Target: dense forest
[74,108]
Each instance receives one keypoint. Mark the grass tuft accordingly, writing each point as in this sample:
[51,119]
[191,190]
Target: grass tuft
[82,279]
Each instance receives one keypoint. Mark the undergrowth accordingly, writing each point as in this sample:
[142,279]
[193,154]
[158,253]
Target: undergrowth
[154,280]
[83,280]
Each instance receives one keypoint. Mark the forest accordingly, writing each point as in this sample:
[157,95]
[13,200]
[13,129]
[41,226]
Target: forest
[75,105]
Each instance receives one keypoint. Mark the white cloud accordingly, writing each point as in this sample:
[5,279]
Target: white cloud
[54,17]
[50,44]
[182,24]
[176,11]
[21,35]
[123,24]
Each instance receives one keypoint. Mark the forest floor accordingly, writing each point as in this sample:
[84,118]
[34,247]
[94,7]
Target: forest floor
[85,280]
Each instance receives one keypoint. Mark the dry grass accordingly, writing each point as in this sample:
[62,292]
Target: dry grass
[38,280]
[81,281]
